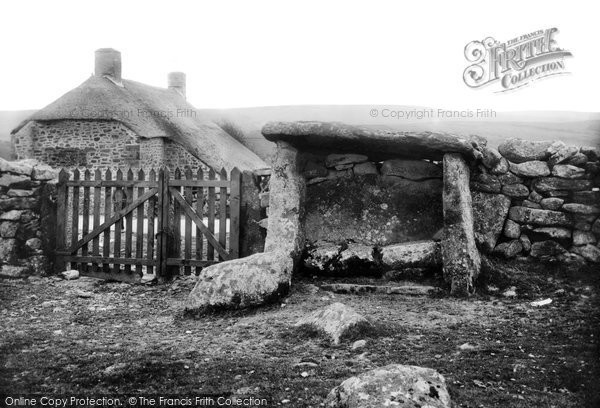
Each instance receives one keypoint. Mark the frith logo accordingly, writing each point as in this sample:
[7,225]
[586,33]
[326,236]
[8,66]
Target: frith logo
[514,63]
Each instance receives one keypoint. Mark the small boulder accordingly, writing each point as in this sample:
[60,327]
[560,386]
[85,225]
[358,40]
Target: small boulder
[363,169]
[589,252]
[552,203]
[524,215]
[568,171]
[515,190]
[252,281]
[70,274]
[534,168]
[509,249]
[519,151]
[549,184]
[392,385]
[583,238]
[336,320]
[412,254]
[548,250]
[512,229]
[581,209]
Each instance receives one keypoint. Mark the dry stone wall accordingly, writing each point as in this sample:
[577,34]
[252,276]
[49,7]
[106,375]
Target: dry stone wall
[538,200]
[27,189]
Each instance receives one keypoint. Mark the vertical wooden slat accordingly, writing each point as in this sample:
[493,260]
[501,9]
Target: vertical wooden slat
[200,211]
[75,215]
[128,221]
[61,217]
[96,241]
[177,222]
[234,212]
[164,217]
[85,228]
[223,213]
[152,211]
[210,251]
[139,238]
[118,203]
[188,222]
[107,214]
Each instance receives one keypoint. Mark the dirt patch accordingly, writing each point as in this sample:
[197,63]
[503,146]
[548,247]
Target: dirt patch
[93,337]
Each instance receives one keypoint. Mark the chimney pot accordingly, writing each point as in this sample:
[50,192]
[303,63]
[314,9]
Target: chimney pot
[176,81]
[108,63]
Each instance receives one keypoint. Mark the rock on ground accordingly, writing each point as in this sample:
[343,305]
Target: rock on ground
[392,385]
[252,281]
[460,255]
[412,254]
[336,320]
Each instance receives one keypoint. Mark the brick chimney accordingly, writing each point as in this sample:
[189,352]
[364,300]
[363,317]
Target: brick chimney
[108,64]
[176,82]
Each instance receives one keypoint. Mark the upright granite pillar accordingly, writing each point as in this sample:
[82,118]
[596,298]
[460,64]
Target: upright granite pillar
[459,252]
[264,277]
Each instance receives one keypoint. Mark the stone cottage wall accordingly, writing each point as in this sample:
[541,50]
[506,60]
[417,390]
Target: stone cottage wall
[97,144]
[539,200]
[27,190]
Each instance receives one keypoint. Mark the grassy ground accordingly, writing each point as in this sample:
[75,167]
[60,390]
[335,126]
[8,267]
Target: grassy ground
[93,337]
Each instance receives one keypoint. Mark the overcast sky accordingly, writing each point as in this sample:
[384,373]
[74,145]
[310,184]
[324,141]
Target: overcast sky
[258,53]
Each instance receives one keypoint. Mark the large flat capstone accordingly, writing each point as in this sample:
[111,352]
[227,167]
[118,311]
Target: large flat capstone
[459,252]
[377,144]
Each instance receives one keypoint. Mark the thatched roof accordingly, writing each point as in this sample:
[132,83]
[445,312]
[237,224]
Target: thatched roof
[151,112]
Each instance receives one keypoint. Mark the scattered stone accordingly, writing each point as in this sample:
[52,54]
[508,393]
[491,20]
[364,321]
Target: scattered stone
[336,159]
[568,171]
[8,250]
[509,249]
[491,157]
[358,344]
[592,153]
[519,151]
[392,385]
[412,254]
[16,167]
[548,184]
[553,232]
[115,369]
[525,242]
[500,168]
[12,215]
[8,229]
[560,153]
[489,213]
[512,229]
[533,168]
[14,271]
[535,197]
[70,274]
[539,303]
[467,347]
[583,238]
[416,170]
[578,159]
[363,169]
[552,203]
[33,244]
[510,292]
[43,172]
[515,190]
[589,252]
[19,193]
[526,215]
[461,258]
[547,250]
[486,183]
[581,209]
[530,204]
[336,320]
[84,294]
[252,281]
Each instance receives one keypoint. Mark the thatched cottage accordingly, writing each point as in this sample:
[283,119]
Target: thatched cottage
[109,121]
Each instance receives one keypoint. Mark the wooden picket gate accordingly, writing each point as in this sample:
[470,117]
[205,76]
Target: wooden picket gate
[121,228]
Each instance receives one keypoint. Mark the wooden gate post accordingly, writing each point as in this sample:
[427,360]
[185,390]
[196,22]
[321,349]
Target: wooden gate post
[61,220]
[162,224]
